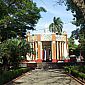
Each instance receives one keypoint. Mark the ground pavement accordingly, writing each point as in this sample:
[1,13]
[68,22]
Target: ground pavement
[45,77]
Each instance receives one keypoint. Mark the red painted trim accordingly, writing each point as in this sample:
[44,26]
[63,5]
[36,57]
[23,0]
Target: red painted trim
[39,60]
[54,60]
[68,60]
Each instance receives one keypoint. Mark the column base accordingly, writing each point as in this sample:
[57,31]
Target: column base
[54,60]
[39,60]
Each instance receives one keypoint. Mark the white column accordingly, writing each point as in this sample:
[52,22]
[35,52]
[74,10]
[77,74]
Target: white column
[60,50]
[65,51]
[57,51]
[36,50]
[41,50]
[33,50]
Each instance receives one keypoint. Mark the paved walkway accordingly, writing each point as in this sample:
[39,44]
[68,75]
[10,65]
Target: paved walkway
[48,77]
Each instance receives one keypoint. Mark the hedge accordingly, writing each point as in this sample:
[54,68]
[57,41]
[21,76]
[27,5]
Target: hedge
[73,71]
[9,75]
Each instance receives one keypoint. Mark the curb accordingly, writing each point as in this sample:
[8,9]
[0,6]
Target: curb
[78,80]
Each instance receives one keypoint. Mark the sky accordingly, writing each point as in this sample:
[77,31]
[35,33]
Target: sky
[53,10]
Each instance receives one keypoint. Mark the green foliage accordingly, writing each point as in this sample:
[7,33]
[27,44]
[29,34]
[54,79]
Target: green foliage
[9,75]
[73,48]
[67,69]
[82,75]
[56,26]
[16,16]
[77,71]
[75,33]
[71,43]
[77,7]
[12,51]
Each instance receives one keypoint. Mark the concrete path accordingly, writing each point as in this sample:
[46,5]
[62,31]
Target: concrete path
[45,77]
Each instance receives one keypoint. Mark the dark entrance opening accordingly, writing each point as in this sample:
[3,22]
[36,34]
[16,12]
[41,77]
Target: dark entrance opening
[47,54]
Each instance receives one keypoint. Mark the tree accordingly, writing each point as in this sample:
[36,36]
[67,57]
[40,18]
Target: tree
[12,51]
[56,26]
[75,33]
[73,48]
[77,7]
[16,16]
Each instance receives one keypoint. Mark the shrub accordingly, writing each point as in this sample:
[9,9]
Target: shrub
[75,73]
[9,75]
[82,75]
[82,69]
[67,69]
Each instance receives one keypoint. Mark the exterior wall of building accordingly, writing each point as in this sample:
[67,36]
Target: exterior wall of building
[59,46]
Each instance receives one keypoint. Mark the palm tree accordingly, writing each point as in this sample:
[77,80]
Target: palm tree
[56,26]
